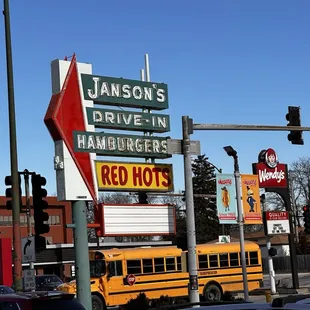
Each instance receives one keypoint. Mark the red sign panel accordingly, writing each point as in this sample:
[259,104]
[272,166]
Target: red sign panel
[276,215]
[271,177]
[131,279]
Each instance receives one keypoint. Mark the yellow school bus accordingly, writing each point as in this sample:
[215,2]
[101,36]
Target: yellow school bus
[118,275]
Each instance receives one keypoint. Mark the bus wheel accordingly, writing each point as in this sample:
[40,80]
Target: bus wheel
[212,292]
[97,303]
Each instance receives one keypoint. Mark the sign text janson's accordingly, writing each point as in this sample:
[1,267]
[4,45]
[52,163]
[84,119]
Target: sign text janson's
[125,92]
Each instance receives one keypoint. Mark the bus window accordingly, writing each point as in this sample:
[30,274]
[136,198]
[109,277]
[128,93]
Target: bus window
[253,258]
[97,268]
[234,259]
[203,261]
[115,268]
[159,264]
[147,265]
[224,260]
[213,261]
[134,266]
[170,264]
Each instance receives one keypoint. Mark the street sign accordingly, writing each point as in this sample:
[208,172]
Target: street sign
[28,250]
[29,278]
[277,223]
[174,146]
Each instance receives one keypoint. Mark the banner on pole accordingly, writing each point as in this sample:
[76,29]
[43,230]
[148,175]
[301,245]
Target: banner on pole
[252,212]
[226,199]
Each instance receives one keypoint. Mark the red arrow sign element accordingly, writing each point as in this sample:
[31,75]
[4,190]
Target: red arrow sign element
[64,115]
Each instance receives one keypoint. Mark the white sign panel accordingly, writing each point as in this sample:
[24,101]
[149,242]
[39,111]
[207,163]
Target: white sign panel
[28,250]
[66,169]
[224,239]
[138,220]
[29,279]
[277,223]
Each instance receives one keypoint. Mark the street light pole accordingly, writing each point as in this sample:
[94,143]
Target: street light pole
[231,152]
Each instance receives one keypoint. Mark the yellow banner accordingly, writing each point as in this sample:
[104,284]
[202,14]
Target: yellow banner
[134,176]
[252,212]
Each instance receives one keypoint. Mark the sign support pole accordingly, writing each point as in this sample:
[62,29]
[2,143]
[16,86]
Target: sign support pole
[190,215]
[270,261]
[82,270]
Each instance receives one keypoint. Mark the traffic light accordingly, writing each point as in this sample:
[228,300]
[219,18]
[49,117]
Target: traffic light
[272,252]
[9,191]
[293,118]
[39,205]
[306,215]
[143,198]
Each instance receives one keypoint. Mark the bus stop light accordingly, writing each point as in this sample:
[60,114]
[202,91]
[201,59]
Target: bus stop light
[9,192]
[293,118]
[306,216]
[39,205]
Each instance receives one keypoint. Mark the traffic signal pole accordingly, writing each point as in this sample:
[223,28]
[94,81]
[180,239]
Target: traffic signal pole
[190,214]
[17,251]
[284,195]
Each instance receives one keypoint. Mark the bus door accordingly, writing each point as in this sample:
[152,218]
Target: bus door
[115,282]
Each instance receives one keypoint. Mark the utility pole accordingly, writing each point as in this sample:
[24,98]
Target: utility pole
[190,215]
[17,251]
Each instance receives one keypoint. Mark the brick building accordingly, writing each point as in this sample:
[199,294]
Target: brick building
[59,238]
[59,215]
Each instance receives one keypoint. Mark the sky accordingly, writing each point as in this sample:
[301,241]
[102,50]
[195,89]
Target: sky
[225,62]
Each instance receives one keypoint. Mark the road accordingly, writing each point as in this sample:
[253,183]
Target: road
[286,280]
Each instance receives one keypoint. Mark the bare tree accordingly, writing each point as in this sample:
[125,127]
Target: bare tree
[300,172]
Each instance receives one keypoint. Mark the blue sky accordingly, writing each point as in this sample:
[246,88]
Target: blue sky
[239,62]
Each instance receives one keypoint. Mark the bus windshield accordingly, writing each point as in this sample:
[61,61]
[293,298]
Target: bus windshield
[97,268]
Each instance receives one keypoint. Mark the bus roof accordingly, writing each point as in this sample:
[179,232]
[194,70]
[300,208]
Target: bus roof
[140,252]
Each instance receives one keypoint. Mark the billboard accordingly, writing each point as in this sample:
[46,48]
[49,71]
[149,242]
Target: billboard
[252,212]
[138,220]
[226,199]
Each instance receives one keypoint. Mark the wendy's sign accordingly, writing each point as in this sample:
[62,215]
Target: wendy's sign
[271,174]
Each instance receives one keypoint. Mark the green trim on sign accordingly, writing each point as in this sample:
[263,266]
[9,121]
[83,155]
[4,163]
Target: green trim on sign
[120,145]
[124,92]
[128,120]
